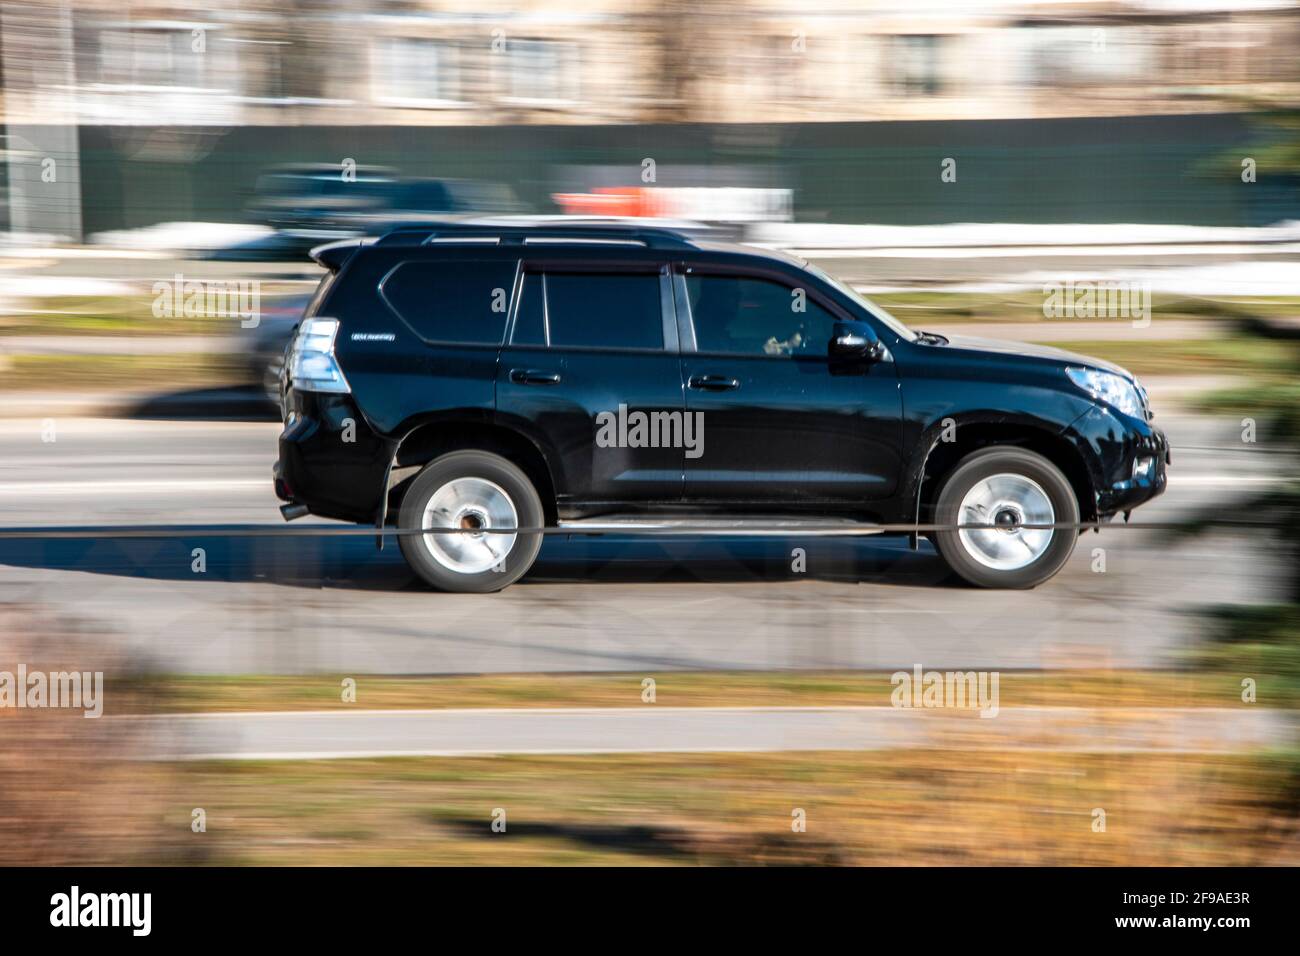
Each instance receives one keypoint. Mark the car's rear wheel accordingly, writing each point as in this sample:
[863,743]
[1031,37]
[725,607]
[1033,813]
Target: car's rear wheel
[1007,488]
[474,494]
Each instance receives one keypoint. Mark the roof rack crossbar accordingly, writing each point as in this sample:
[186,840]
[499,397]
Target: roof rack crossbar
[649,236]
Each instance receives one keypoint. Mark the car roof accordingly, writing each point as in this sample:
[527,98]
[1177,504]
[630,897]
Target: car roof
[583,236]
[762,252]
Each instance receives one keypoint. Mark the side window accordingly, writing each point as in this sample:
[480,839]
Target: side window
[530,322]
[453,300]
[604,310]
[756,317]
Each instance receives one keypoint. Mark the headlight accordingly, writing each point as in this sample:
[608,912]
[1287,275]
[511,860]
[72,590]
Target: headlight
[1114,390]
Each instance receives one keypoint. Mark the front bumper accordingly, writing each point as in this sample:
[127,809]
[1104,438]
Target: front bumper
[1112,446]
[1128,493]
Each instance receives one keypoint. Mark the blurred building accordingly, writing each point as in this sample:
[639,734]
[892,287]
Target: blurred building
[448,62]
[123,113]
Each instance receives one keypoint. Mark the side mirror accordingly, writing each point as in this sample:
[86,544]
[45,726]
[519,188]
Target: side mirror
[855,340]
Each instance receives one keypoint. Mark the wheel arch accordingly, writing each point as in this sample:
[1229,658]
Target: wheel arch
[429,440]
[942,456]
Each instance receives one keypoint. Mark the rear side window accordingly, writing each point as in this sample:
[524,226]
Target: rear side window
[459,301]
[604,310]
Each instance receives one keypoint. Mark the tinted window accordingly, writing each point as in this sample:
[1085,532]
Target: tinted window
[756,317]
[530,323]
[604,310]
[453,300]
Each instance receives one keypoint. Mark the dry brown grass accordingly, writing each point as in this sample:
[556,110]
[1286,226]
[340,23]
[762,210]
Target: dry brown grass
[1096,688]
[76,791]
[72,789]
[873,808]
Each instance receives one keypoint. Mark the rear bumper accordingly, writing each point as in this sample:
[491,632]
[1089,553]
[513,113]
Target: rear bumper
[331,461]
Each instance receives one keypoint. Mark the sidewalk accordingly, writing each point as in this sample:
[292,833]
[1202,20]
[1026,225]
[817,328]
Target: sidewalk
[325,735]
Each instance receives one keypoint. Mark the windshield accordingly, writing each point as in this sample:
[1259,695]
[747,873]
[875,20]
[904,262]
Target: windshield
[877,311]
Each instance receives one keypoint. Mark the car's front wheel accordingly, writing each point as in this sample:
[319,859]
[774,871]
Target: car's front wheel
[470,497]
[1006,488]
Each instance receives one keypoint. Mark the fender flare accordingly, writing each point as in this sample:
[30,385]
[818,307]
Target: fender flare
[1064,432]
[410,429]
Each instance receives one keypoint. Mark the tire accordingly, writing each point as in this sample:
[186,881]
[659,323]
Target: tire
[469,489]
[993,483]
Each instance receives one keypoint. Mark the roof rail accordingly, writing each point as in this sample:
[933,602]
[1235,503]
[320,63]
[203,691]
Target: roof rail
[651,237]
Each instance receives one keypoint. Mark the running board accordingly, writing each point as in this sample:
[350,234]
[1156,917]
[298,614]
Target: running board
[723,527]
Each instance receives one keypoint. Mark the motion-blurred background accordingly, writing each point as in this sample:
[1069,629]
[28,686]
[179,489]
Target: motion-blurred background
[953,160]
[1100,112]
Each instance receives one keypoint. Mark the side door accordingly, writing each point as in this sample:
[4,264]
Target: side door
[591,373]
[782,421]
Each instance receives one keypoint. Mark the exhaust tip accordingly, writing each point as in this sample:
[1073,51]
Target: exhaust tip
[291,511]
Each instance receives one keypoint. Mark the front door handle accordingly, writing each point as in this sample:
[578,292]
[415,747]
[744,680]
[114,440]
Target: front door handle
[531,376]
[713,383]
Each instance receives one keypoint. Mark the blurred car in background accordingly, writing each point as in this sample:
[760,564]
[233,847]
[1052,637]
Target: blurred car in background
[414,200]
[309,203]
[317,196]
[264,354]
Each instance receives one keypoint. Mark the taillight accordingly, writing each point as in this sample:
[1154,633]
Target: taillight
[312,365]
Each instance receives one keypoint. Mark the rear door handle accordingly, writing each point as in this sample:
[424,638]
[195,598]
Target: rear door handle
[713,383]
[531,376]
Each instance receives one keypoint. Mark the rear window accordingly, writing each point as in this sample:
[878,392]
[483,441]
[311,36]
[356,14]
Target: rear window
[454,300]
[602,310]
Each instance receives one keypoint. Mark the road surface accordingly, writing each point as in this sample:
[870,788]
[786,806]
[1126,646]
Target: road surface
[615,603]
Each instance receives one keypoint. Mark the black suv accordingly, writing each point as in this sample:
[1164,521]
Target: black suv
[482,378]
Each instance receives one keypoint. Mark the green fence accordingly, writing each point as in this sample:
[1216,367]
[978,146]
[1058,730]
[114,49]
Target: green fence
[1176,169]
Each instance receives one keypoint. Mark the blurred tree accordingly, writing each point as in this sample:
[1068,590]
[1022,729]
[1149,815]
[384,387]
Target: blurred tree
[1264,639]
[1262,642]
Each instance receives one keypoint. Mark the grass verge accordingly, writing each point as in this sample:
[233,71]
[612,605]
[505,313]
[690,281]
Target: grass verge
[894,808]
[195,694]
[125,372]
[949,308]
[1221,356]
